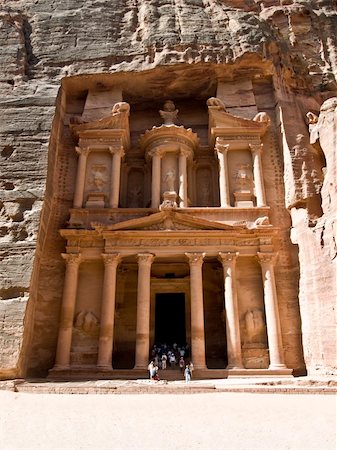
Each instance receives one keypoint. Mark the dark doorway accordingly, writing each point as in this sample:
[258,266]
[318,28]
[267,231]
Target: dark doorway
[170,319]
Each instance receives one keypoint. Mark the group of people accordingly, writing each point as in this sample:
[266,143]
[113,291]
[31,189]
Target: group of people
[170,356]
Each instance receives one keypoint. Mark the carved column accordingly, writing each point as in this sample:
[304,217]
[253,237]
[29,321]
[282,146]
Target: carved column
[115,176]
[80,178]
[105,344]
[228,261]
[143,310]
[276,357]
[183,179]
[223,175]
[197,310]
[156,176]
[258,174]
[62,359]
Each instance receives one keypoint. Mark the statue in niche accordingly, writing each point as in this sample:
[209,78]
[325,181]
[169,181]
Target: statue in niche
[255,328]
[98,178]
[169,180]
[135,197]
[243,178]
[169,113]
[87,322]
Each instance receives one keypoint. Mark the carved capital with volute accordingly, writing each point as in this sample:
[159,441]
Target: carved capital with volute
[221,148]
[82,151]
[145,258]
[267,259]
[111,259]
[256,149]
[195,259]
[228,258]
[72,258]
[117,151]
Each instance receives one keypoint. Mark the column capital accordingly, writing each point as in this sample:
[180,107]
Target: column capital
[221,148]
[82,151]
[267,258]
[111,258]
[117,151]
[145,258]
[159,152]
[256,148]
[72,258]
[185,153]
[195,258]
[227,258]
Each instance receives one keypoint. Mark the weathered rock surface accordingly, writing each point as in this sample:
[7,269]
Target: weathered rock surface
[292,43]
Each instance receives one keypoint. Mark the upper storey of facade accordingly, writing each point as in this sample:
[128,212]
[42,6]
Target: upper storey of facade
[193,158]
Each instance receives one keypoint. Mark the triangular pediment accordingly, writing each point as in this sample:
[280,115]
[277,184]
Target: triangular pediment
[166,221]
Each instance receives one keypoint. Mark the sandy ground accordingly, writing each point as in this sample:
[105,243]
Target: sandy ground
[235,421]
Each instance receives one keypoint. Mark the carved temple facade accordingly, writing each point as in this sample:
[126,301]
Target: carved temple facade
[177,216]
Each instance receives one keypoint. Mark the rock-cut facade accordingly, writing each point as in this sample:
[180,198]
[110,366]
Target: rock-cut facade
[168,177]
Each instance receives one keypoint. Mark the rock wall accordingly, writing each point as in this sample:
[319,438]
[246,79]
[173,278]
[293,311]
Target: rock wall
[286,50]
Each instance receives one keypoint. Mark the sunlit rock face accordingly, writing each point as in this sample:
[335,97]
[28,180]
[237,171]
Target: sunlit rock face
[77,59]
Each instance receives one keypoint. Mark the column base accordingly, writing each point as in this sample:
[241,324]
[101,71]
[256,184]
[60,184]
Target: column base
[104,367]
[277,366]
[59,367]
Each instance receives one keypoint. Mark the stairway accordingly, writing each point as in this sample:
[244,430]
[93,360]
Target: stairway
[171,374]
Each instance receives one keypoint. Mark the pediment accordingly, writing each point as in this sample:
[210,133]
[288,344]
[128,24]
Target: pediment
[112,126]
[166,221]
[222,123]
[118,119]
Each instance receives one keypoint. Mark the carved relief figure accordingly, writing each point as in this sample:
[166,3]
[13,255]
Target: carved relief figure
[255,328]
[169,113]
[98,177]
[243,178]
[135,197]
[169,180]
[87,322]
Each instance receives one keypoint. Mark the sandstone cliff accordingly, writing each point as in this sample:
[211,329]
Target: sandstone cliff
[289,45]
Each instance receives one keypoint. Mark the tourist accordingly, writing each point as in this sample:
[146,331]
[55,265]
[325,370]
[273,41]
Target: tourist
[151,370]
[181,364]
[191,366]
[155,373]
[163,361]
[187,374]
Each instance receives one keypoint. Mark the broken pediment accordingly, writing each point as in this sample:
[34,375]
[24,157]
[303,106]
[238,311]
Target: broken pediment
[115,125]
[166,221]
[225,125]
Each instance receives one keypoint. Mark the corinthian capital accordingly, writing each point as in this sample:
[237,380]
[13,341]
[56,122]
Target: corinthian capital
[82,151]
[145,258]
[72,258]
[267,258]
[228,258]
[221,148]
[256,148]
[111,258]
[195,258]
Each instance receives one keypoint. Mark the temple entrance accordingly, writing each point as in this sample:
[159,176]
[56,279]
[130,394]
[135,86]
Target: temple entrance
[170,320]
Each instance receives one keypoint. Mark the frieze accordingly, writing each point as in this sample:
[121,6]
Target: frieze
[237,137]
[176,242]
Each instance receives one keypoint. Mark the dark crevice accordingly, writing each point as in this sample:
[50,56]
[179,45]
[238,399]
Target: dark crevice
[32,60]
[7,151]
[12,292]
